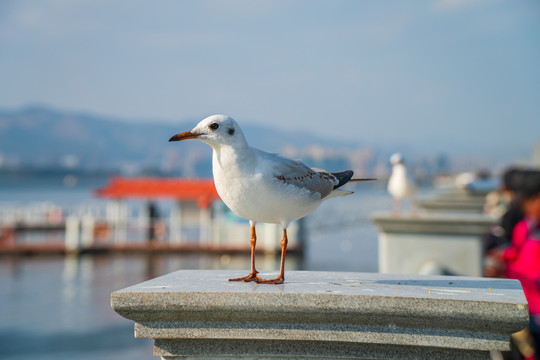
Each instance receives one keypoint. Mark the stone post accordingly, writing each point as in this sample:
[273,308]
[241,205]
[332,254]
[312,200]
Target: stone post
[432,243]
[456,200]
[323,315]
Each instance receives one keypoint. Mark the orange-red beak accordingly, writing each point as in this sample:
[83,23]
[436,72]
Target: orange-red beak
[184,136]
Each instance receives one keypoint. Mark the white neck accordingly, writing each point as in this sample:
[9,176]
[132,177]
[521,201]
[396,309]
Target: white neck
[233,156]
[399,170]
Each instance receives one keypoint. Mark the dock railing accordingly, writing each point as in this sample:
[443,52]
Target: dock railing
[324,315]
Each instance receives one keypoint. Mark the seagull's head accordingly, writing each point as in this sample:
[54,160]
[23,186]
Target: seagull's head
[215,130]
[397,158]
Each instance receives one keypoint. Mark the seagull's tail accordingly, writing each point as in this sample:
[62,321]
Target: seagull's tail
[345,177]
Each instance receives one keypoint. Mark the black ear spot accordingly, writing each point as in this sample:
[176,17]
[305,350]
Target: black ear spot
[231,131]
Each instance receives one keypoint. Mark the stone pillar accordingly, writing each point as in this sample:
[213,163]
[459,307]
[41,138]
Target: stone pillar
[432,243]
[323,315]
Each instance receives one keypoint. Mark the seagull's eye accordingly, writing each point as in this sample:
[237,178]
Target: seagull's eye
[214,126]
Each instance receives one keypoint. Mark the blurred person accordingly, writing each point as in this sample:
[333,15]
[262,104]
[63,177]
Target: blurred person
[522,231]
[514,181]
[153,219]
[500,236]
[520,222]
[523,257]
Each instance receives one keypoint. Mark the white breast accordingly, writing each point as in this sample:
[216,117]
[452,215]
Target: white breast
[399,185]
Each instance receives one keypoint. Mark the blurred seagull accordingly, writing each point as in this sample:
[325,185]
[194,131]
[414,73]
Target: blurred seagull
[400,186]
[260,186]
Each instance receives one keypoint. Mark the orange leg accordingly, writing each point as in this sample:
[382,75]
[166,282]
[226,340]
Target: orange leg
[253,273]
[281,276]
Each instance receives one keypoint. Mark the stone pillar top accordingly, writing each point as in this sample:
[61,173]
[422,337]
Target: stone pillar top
[331,297]
[324,315]
[434,223]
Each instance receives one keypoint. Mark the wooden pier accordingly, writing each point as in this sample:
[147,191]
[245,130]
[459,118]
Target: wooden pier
[10,245]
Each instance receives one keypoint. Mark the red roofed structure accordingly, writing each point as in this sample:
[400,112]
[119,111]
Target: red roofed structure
[202,191]
[192,217]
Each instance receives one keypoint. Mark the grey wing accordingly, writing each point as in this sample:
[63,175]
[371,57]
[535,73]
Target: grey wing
[296,173]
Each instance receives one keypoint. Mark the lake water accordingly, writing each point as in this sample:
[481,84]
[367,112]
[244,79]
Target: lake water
[56,307]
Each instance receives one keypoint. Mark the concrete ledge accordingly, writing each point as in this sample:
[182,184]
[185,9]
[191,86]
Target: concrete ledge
[456,200]
[453,206]
[442,223]
[200,314]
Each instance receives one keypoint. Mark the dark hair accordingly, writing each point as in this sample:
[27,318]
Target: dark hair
[514,179]
[525,183]
[531,186]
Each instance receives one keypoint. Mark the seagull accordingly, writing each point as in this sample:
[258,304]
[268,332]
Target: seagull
[399,185]
[263,187]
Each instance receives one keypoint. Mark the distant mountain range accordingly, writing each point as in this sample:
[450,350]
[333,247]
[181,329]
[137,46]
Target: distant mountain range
[41,137]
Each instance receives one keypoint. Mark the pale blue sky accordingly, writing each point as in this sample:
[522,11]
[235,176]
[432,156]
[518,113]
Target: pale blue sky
[451,76]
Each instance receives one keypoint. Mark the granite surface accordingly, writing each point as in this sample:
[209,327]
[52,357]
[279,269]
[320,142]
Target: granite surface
[198,313]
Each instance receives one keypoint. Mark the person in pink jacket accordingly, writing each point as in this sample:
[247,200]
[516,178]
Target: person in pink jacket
[522,231]
[523,257]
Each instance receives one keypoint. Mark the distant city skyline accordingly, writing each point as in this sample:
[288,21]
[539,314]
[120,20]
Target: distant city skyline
[66,141]
[442,76]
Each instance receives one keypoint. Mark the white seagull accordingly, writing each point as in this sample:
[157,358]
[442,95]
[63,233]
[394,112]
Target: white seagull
[399,185]
[260,186]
